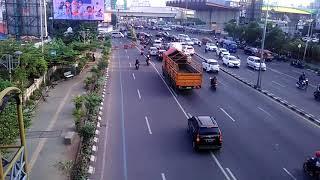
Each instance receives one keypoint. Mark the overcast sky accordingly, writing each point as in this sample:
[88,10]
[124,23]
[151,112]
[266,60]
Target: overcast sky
[279,2]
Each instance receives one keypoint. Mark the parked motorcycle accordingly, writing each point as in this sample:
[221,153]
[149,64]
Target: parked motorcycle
[303,84]
[310,168]
[137,66]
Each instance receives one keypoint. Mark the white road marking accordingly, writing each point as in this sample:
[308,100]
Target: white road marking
[139,93]
[134,77]
[128,57]
[265,111]
[232,176]
[163,176]
[148,125]
[289,174]
[227,114]
[278,84]
[218,163]
[126,51]
[130,64]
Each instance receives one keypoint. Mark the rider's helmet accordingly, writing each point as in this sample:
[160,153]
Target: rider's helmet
[304,74]
[318,154]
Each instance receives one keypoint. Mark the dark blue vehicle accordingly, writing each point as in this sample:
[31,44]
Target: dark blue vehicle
[231,46]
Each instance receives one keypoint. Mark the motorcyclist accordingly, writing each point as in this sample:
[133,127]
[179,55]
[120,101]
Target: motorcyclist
[302,78]
[213,80]
[137,62]
[316,161]
[148,59]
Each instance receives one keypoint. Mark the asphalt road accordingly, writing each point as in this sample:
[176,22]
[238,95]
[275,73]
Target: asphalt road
[145,129]
[279,79]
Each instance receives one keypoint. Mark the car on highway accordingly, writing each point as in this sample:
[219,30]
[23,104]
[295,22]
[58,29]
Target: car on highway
[182,37]
[211,46]
[166,28]
[157,43]
[196,41]
[254,62]
[250,50]
[205,40]
[188,50]
[210,65]
[231,61]
[153,51]
[117,34]
[222,52]
[267,55]
[205,132]
[189,42]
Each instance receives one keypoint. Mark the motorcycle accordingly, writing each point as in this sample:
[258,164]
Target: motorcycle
[137,66]
[205,50]
[303,84]
[213,83]
[310,168]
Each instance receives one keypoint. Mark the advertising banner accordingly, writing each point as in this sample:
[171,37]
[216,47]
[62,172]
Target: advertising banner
[79,9]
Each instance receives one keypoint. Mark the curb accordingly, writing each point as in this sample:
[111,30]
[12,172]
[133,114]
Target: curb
[272,96]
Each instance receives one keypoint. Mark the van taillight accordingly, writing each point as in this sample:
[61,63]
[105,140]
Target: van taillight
[198,138]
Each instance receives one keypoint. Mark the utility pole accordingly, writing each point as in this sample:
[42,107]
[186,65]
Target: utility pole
[308,39]
[258,85]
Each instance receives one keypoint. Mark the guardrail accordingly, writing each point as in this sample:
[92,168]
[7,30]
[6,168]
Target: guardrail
[271,95]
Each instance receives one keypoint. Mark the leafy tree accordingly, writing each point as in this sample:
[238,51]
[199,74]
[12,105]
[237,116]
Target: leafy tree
[253,32]
[275,39]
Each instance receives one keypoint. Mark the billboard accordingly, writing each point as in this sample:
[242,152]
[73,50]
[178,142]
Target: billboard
[79,9]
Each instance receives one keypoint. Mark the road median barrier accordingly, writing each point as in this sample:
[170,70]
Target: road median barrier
[272,96]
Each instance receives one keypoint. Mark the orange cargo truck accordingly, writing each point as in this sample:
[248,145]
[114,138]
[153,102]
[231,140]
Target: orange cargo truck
[180,70]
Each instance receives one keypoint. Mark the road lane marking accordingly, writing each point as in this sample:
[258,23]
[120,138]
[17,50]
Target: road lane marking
[184,112]
[163,176]
[139,93]
[265,111]
[124,152]
[130,64]
[289,174]
[227,114]
[128,57]
[278,84]
[126,51]
[148,125]
[232,176]
[218,163]
[134,77]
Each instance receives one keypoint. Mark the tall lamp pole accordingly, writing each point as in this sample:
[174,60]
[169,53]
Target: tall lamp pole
[308,39]
[258,85]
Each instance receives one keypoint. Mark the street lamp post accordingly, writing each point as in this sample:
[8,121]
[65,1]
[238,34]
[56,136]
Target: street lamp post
[308,39]
[299,46]
[258,85]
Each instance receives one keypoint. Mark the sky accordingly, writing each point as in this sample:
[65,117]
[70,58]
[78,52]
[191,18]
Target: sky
[295,3]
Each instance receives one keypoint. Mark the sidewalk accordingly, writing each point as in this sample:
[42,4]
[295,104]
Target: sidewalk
[53,119]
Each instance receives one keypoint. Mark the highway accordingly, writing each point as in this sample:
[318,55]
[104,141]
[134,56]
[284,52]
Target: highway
[144,134]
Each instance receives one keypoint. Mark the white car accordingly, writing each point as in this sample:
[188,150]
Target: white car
[223,51]
[166,29]
[189,50]
[157,44]
[231,61]
[210,65]
[196,41]
[153,51]
[117,34]
[189,42]
[211,47]
[182,37]
[254,62]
